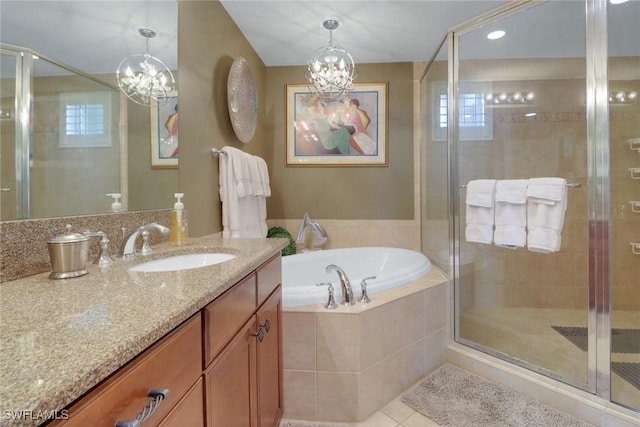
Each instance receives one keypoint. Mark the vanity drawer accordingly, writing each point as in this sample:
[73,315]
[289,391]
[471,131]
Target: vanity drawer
[173,363]
[269,277]
[226,315]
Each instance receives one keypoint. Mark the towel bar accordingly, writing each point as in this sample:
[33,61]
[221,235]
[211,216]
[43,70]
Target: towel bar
[215,152]
[569,185]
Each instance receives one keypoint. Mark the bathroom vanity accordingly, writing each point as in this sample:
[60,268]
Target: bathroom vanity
[198,347]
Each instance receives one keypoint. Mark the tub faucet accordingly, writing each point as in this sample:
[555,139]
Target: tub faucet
[129,244]
[311,234]
[347,292]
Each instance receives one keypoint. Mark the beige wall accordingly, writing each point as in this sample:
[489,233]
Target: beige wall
[209,42]
[346,192]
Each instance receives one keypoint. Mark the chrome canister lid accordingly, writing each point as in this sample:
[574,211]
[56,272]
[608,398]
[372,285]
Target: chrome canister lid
[69,236]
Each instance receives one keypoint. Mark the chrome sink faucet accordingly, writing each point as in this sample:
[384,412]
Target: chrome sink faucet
[129,244]
[347,292]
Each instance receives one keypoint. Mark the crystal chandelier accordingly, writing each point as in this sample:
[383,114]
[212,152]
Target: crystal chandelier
[331,71]
[144,78]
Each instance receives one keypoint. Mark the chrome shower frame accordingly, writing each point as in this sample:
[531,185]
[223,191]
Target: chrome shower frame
[599,193]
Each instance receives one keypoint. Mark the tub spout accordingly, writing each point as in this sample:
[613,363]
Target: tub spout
[347,292]
[311,234]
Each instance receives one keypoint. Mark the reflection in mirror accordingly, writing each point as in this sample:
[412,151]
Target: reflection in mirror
[68,137]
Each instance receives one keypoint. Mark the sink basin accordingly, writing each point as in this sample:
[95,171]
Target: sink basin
[182,262]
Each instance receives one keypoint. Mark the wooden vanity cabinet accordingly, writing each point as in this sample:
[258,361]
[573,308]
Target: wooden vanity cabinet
[222,367]
[173,363]
[244,379]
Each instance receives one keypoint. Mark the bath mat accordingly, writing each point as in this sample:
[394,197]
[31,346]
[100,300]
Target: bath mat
[451,396]
[630,372]
[622,340]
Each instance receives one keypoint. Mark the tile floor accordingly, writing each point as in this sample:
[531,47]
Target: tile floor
[394,414]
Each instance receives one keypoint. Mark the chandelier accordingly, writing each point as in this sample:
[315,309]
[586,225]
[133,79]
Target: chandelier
[144,78]
[331,71]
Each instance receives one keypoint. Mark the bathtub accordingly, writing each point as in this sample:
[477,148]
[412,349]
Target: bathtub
[391,266]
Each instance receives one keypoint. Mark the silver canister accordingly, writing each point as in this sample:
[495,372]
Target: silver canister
[68,253]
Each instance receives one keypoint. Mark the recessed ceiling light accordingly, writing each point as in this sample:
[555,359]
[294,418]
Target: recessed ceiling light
[618,1]
[495,35]
[530,114]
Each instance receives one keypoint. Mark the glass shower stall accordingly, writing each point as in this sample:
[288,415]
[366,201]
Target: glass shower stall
[556,96]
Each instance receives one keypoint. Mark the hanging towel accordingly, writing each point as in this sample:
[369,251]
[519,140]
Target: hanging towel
[511,213]
[546,206]
[243,214]
[480,211]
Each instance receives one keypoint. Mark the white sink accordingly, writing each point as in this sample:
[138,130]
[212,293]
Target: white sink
[182,262]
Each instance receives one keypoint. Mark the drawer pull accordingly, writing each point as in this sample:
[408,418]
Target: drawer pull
[266,325]
[157,395]
[260,334]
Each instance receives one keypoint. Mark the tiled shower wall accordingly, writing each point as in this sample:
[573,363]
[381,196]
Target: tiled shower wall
[553,143]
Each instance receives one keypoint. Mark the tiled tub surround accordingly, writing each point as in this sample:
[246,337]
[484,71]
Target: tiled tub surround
[24,249]
[59,338]
[345,364]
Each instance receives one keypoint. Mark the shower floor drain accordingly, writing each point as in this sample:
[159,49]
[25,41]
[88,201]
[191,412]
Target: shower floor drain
[622,340]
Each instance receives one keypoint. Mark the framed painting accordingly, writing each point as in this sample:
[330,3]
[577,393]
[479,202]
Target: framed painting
[164,134]
[350,131]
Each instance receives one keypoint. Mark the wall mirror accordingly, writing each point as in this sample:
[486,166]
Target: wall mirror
[65,54]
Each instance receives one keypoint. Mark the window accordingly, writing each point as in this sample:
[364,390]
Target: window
[85,119]
[475,120]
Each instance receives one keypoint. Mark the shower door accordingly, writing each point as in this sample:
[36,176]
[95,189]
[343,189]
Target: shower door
[520,113]
[624,138]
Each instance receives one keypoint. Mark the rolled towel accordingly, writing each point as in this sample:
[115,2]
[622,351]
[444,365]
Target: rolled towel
[511,213]
[480,211]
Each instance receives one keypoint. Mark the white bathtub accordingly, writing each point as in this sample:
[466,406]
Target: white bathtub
[391,266]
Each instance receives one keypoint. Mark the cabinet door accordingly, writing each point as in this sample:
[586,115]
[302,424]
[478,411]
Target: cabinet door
[269,360]
[189,411]
[230,382]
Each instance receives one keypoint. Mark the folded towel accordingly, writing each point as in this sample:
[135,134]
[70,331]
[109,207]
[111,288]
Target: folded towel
[480,211]
[511,213]
[546,206]
[546,190]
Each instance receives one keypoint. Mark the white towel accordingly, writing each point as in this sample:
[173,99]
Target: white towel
[241,216]
[546,206]
[511,213]
[480,211]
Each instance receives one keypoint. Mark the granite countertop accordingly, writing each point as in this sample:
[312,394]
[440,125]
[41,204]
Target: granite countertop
[59,338]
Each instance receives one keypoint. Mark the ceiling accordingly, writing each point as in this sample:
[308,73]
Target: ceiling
[95,35]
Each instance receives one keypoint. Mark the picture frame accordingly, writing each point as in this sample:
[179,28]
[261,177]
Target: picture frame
[350,131]
[164,134]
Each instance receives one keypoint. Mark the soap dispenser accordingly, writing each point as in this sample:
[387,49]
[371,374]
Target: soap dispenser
[178,225]
[116,206]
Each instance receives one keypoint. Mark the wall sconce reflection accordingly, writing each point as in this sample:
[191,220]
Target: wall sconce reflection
[622,97]
[6,114]
[510,98]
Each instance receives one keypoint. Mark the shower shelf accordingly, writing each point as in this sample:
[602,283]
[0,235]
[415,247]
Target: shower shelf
[634,144]
[635,173]
[635,248]
[635,206]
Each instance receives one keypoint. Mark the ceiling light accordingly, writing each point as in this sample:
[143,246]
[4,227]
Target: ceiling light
[331,71]
[618,1]
[517,97]
[495,35]
[144,78]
